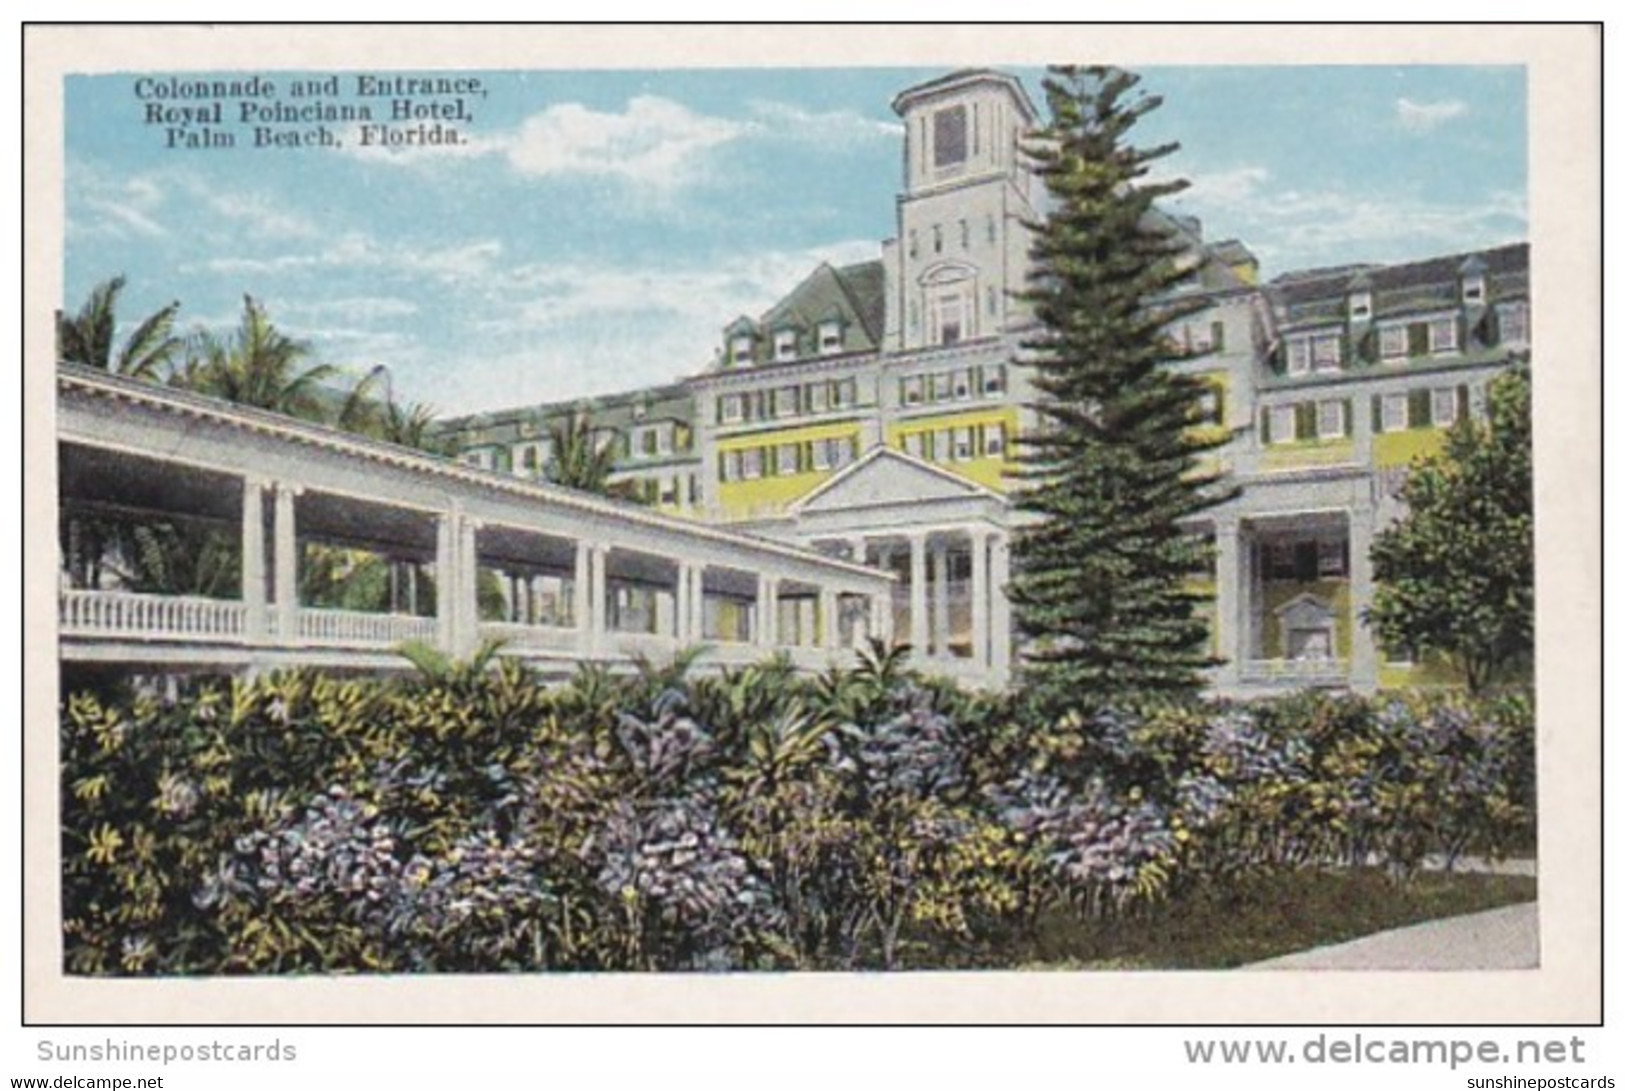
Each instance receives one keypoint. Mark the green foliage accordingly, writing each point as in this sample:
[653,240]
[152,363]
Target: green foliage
[1101,586]
[465,818]
[87,337]
[580,458]
[1456,575]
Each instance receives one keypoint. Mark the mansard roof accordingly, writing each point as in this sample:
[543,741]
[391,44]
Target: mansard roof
[1433,283]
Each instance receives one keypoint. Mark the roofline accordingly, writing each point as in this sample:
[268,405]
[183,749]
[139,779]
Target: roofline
[880,451]
[941,84]
[172,399]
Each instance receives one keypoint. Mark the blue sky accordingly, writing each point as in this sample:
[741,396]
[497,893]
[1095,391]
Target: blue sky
[600,228]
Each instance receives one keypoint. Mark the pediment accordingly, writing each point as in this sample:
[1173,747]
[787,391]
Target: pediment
[885,476]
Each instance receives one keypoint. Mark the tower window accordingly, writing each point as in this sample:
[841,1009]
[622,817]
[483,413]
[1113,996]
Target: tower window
[950,131]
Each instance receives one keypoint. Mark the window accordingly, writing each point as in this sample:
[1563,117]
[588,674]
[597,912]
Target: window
[785,401]
[914,444]
[964,234]
[741,349]
[817,397]
[942,444]
[936,238]
[1212,405]
[964,446]
[1515,324]
[483,458]
[1297,356]
[993,440]
[993,303]
[941,386]
[1444,406]
[784,345]
[844,393]
[913,390]
[1360,307]
[1329,422]
[993,379]
[789,459]
[1283,423]
[1395,412]
[1332,557]
[527,459]
[1442,335]
[829,337]
[668,490]
[750,464]
[1472,290]
[1393,342]
[729,466]
[823,454]
[961,381]
[647,441]
[948,315]
[913,243]
[1327,352]
[948,137]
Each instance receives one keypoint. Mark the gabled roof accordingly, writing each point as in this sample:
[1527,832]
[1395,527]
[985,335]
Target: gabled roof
[857,293]
[885,475]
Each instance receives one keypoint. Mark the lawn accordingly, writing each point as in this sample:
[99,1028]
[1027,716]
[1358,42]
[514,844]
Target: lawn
[1269,916]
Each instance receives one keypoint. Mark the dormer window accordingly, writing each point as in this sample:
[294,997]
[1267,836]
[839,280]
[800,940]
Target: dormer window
[1472,290]
[1393,343]
[1360,306]
[1515,323]
[829,337]
[1326,352]
[950,130]
[784,345]
[740,350]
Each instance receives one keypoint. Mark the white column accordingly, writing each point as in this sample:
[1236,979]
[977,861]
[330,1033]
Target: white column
[880,610]
[860,547]
[696,603]
[683,604]
[253,560]
[919,634]
[445,581]
[1000,631]
[287,563]
[978,598]
[1362,643]
[939,600]
[829,622]
[767,611]
[600,594]
[581,595]
[468,606]
[1227,598]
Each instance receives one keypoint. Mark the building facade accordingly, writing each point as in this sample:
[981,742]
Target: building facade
[871,413]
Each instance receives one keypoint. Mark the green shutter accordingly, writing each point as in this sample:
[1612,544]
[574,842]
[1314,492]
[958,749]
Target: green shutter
[1348,417]
[1417,335]
[1463,402]
[1217,334]
[1376,413]
[1264,424]
[1421,409]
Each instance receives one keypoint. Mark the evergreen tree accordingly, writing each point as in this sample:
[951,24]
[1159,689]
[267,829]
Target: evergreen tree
[1102,590]
[1456,575]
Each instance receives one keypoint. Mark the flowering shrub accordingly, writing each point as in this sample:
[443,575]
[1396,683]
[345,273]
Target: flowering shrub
[471,820]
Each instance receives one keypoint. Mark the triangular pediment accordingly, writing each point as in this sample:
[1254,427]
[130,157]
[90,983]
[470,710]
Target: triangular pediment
[885,476]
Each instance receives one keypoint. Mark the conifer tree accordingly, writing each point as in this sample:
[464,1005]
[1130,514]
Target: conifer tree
[1102,590]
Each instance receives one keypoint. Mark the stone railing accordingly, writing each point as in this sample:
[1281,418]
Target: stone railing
[357,627]
[150,617]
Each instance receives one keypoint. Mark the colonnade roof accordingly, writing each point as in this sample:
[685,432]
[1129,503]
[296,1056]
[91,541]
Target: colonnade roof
[74,381]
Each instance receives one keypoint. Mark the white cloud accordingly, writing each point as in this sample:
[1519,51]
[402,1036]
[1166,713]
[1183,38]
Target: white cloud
[1238,186]
[830,129]
[358,251]
[655,142]
[258,213]
[114,207]
[1421,117]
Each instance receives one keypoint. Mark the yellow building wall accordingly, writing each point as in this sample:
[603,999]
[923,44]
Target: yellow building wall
[773,493]
[988,472]
[1403,448]
[1309,452]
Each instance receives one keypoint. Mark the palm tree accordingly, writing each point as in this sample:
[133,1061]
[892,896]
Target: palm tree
[580,459]
[258,365]
[87,338]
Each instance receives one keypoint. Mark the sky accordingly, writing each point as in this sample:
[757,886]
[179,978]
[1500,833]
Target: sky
[594,231]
